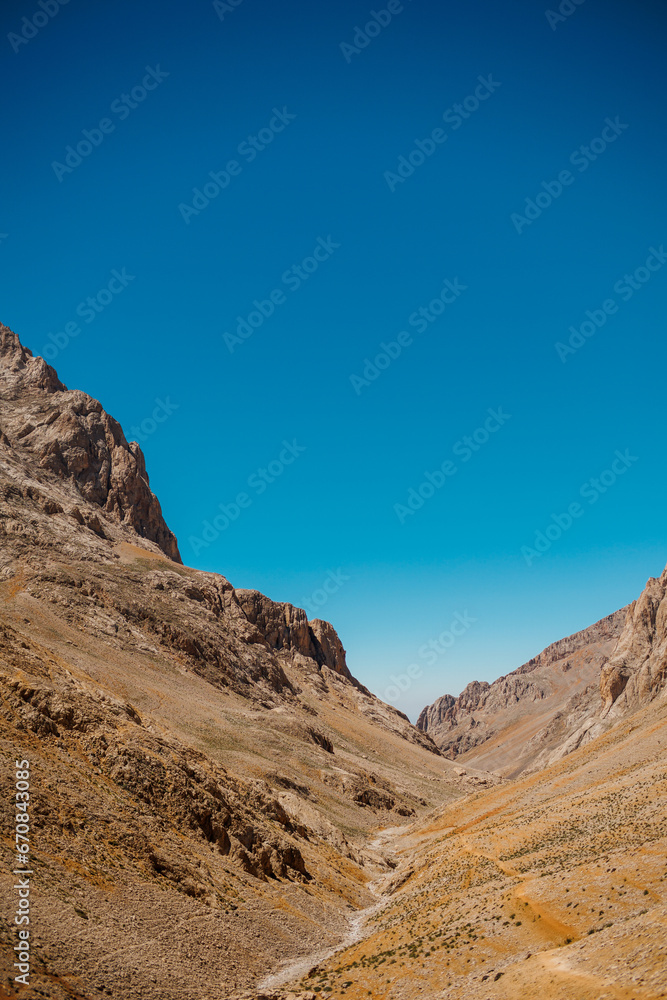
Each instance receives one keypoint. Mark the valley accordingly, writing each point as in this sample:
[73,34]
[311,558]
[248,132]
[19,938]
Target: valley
[220,810]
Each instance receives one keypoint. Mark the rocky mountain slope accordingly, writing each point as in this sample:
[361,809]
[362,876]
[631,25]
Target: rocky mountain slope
[219,809]
[633,676]
[637,669]
[573,691]
[551,886]
[204,767]
[71,436]
[508,723]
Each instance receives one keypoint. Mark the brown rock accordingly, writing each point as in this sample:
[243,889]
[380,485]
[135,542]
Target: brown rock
[287,628]
[637,670]
[70,435]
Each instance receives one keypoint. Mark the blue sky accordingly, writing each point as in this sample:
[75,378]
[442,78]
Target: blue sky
[311,236]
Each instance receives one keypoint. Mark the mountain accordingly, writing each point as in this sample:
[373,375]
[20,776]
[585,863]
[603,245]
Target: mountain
[219,809]
[200,757]
[69,435]
[569,694]
[550,886]
[506,723]
[637,669]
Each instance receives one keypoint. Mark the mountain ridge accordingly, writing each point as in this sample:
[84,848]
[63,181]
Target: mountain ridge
[562,698]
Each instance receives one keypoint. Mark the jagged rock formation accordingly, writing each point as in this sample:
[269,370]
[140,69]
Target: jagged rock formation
[634,675]
[637,670]
[504,726]
[562,699]
[70,435]
[287,627]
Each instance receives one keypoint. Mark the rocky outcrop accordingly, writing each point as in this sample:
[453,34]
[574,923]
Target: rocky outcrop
[21,371]
[634,675]
[181,787]
[70,435]
[497,726]
[287,628]
[637,670]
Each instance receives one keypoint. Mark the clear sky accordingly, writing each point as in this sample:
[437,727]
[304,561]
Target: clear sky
[281,189]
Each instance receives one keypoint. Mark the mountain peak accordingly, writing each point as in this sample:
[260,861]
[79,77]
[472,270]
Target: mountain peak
[67,438]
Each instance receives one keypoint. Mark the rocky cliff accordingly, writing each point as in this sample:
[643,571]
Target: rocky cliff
[634,675]
[637,670]
[51,430]
[562,699]
[286,627]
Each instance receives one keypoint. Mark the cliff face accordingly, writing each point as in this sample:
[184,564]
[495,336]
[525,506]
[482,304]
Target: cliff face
[499,726]
[562,699]
[634,676]
[52,430]
[286,627]
[637,670]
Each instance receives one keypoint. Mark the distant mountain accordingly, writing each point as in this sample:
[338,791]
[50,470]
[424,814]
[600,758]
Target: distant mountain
[573,691]
[499,722]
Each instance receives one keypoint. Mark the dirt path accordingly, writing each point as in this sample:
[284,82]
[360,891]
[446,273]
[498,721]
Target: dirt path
[548,920]
[296,968]
[594,985]
[385,842]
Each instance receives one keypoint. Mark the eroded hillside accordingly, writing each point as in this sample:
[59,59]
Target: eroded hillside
[510,724]
[553,886]
[204,767]
[219,809]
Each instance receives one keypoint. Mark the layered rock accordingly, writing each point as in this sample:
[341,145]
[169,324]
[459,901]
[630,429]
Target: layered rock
[287,628]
